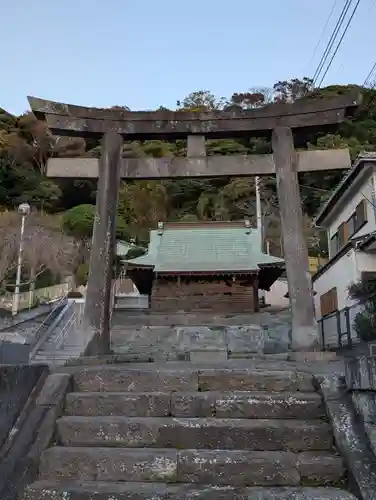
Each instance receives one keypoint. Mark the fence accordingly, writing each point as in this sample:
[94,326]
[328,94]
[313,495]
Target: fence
[41,295]
[337,329]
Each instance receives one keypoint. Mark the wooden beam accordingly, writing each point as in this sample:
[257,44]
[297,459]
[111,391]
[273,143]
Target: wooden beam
[67,119]
[205,167]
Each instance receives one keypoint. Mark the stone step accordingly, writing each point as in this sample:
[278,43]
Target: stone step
[303,406]
[50,490]
[60,354]
[210,433]
[146,378]
[219,467]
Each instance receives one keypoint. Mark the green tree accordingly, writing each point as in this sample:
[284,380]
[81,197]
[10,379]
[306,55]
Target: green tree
[79,222]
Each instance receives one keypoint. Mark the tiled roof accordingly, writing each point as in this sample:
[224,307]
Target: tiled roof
[205,247]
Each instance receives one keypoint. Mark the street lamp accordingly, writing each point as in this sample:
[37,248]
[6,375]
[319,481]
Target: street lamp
[24,211]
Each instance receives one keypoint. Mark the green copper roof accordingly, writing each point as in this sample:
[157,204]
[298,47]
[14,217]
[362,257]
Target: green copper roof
[199,249]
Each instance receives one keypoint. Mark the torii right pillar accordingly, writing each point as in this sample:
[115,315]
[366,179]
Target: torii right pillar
[304,325]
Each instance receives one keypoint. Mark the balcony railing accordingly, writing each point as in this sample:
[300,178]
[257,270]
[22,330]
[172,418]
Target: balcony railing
[337,330]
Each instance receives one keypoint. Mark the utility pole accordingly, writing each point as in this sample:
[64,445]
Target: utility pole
[24,211]
[259,228]
[259,211]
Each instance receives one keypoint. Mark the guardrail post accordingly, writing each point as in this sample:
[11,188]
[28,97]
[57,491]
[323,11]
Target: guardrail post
[348,326]
[339,333]
[321,328]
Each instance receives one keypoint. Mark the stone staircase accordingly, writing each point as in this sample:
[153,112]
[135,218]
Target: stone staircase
[188,432]
[54,355]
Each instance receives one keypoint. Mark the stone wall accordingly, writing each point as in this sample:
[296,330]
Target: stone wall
[223,296]
[30,423]
[350,403]
[16,384]
[13,352]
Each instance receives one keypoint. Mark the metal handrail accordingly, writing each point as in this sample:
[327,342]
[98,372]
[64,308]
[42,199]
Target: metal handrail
[39,332]
[343,333]
[65,330]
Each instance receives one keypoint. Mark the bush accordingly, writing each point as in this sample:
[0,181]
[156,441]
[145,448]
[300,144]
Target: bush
[135,252]
[365,326]
[79,222]
[82,274]
[365,321]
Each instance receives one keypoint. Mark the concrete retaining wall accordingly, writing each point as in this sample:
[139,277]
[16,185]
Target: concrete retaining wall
[30,427]
[16,384]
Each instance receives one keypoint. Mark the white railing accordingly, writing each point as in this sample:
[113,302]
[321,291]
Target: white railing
[45,328]
[32,297]
[67,328]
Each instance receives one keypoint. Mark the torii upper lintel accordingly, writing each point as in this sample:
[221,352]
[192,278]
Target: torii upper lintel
[301,116]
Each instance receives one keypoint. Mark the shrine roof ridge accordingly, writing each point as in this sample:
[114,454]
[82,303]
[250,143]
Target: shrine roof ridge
[227,246]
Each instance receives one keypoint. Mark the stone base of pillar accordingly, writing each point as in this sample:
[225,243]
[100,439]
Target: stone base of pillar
[305,338]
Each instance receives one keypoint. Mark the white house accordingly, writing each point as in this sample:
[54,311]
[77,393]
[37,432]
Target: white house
[349,217]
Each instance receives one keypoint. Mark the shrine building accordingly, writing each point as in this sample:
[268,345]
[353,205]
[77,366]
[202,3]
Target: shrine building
[204,266]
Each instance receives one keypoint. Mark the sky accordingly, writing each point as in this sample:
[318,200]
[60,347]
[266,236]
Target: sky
[148,53]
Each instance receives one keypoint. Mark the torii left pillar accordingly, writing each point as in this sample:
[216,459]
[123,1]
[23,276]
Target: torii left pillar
[97,313]
[304,325]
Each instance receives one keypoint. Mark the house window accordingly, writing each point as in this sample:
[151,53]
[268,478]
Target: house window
[343,235]
[329,302]
[334,245]
[361,215]
[347,229]
[351,224]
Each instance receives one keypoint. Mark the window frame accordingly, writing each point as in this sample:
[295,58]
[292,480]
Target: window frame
[343,233]
[332,251]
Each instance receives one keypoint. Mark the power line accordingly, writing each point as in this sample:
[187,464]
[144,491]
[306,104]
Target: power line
[340,41]
[322,33]
[367,81]
[314,188]
[332,39]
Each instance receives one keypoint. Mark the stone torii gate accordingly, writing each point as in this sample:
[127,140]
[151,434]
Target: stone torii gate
[284,122]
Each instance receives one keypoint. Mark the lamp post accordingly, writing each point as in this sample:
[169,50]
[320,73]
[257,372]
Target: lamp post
[24,211]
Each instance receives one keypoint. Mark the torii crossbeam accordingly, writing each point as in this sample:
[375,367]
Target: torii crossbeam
[283,122]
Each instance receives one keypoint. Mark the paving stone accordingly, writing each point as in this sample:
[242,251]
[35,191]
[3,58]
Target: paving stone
[238,468]
[50,490]
[152,404]
[197,404]
[217,467]
[277,337]
[125,379]
[193,404]
[245,339]
[199,338]
[248,379]
[268,405]
[258,434]
[321,470]
[208,356]
[238,334]
[109,464]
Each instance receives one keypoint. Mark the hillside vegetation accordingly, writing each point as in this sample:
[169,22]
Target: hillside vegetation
[26,144]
